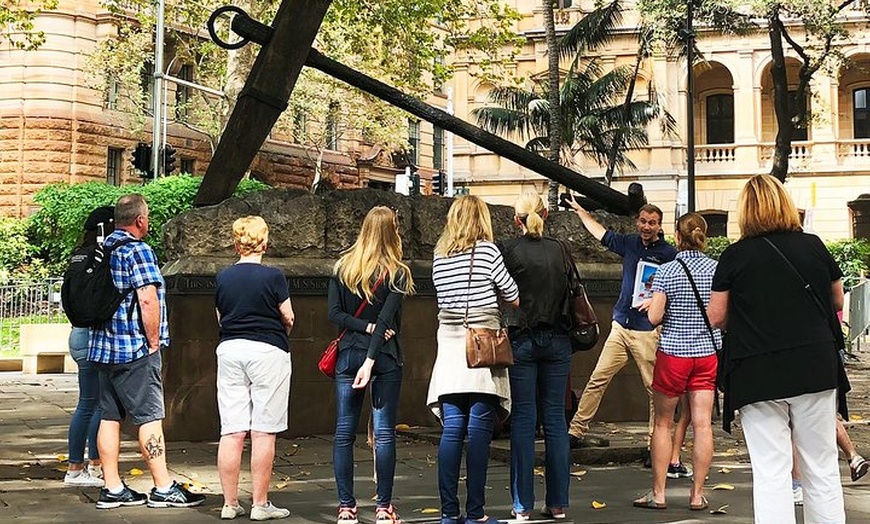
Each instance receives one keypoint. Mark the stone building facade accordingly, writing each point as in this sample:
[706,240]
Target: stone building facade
[734,121]
[55,128]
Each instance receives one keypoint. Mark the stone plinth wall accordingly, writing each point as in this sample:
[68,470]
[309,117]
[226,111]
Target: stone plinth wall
[307,234]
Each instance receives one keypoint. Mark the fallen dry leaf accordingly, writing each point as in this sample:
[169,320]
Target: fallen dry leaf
[856,418]
[281,485]
[402,427]
[725,470]
[62,458]
[578,473]
[539,471]
[427,511]
[598,505]
[136,472]
[721,510]
[728,487]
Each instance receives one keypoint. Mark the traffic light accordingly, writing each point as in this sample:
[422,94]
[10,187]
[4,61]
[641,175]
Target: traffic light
[142,160]
[438,183]
[168,160]
[415,184]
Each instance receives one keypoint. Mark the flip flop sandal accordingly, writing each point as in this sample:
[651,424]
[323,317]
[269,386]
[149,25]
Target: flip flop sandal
[648,502]
[700,507]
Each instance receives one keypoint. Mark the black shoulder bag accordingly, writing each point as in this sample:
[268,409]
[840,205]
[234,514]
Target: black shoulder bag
[843,385]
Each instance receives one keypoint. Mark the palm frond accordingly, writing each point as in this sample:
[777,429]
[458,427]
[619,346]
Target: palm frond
[593,31]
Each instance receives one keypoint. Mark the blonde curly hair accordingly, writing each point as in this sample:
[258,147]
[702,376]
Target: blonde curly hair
[250,235]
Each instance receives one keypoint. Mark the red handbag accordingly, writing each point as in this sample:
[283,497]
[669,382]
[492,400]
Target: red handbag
[328,359]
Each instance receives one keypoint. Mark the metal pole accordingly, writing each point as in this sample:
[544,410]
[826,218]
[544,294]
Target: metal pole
[449,139]
[690,106]
[157,95]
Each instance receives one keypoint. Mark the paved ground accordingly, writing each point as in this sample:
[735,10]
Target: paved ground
[34,417]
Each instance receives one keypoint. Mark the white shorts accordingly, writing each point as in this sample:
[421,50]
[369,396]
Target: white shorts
[253,386]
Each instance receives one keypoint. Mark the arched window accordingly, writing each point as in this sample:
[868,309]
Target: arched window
[720,119]
[717,222]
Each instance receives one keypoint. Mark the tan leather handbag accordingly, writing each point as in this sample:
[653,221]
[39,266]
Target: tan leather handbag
[485,347]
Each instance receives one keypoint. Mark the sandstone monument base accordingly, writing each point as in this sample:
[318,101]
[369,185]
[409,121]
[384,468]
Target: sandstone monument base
[307,234]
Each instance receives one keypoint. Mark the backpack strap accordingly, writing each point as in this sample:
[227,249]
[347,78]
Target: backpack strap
[108,252]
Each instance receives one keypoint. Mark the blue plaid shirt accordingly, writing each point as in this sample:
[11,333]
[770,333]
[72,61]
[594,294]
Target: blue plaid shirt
[122,339]
[684,332]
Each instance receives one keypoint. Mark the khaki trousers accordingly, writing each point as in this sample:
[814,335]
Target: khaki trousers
[621,343]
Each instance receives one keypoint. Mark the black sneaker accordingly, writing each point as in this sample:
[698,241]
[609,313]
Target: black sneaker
[679,471]
[127,497]
[177,497]
[587,441]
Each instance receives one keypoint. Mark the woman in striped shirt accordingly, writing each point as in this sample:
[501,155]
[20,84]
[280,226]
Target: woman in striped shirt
[469,277]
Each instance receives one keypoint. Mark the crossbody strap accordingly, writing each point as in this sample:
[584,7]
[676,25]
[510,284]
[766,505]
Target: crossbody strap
[468,289]
[364,303]
[807,287]
[829,316]
[700,301]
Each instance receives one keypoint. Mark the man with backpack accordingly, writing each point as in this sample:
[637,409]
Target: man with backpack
[126,349]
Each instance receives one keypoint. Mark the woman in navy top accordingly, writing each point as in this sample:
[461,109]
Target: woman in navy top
[253,382]
[370,272]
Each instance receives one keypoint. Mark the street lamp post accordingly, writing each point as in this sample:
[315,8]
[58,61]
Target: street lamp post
[690,107]
[157,94]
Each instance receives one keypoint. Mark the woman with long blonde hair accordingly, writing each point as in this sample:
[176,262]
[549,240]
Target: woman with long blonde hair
[470,277]
[371,272]
[776,292]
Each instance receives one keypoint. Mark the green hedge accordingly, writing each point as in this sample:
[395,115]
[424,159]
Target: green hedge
[57,226]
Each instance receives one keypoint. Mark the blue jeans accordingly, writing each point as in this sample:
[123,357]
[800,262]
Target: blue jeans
[385,400]
[86,418]
[472,414]
[539,377]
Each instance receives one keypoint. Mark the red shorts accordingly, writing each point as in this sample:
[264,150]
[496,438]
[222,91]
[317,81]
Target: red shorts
[674,376]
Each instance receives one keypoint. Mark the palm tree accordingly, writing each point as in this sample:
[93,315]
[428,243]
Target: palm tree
[590,114]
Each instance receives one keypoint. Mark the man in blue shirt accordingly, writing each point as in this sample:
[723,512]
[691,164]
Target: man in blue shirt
[126,350]
[631,333]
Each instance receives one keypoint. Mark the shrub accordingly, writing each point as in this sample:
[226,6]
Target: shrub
[57,226]
[853,257]
[716,245]
[15,249]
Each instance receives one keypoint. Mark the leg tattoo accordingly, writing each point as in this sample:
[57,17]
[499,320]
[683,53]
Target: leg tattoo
[153,447]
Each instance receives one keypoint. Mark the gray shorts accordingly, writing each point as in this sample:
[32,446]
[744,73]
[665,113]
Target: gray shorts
[133,390]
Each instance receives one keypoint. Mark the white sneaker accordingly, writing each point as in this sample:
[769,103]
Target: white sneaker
[231,512]
[798,494]
[95,471]
[268,512]
[82,479]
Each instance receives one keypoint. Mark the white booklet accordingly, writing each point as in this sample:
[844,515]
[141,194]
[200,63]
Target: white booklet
[643,281]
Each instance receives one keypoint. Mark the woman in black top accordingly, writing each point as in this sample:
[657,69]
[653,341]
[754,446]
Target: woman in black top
[372,271]
[542,360]
[253,380]
[780,364]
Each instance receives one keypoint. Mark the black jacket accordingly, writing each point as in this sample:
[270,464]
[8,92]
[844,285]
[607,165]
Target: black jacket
[539,268]
[385,313]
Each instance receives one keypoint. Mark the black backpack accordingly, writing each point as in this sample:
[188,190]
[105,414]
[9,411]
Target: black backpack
[88,293]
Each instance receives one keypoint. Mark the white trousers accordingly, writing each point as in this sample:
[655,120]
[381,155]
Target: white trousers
[771,428]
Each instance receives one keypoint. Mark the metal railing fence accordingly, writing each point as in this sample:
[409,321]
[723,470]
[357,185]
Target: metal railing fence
[27,302]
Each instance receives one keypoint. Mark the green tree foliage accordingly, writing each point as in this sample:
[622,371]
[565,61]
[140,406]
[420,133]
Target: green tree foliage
[57,227]
[405,44]
[16,22]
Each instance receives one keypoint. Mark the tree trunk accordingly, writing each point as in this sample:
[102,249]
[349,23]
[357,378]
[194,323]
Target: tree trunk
[555,107]
[785,125]
[626,115]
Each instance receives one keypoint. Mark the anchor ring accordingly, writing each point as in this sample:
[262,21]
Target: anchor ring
[213,33]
